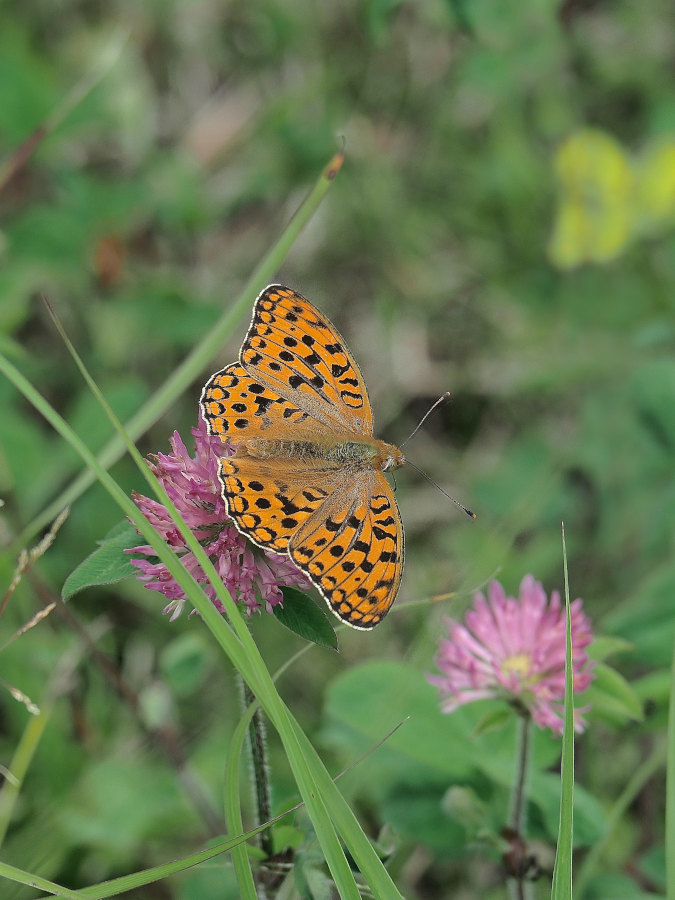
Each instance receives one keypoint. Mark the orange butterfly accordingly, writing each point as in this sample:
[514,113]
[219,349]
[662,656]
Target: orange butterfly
[307,476]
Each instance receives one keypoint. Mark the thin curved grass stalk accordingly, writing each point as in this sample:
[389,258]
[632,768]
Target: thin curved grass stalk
[195,362]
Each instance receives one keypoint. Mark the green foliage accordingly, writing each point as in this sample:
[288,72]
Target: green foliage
[503,228]
[305,619]
[427,752]
[106,565]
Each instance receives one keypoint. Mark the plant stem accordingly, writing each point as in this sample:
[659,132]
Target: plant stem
[261,782]
[515,858]
[522,765]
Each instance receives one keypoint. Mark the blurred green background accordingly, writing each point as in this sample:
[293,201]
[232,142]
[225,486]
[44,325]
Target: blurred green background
[501,228]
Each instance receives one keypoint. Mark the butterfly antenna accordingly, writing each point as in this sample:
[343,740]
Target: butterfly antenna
[472,515]
[441,399]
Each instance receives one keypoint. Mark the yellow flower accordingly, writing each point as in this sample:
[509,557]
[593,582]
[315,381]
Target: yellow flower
[656,186]
[596,212]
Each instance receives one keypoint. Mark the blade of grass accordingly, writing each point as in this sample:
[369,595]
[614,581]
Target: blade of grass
[148,876]
[562,870]
[364,855]
[137,879]
[194,363]
[21,760]
[11,873]
[240,857]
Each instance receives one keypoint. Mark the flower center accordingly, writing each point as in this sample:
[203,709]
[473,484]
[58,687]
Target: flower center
[519,665]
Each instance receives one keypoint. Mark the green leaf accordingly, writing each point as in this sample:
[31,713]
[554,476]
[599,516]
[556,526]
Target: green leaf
[286,837]
[416,813]
[371,699]
[590,819]
[495,719]
[610,695]
[465,806]
[647,621]
[185,662]
[106,565]
[653,389]
[606,645]
[562,867]
[621,887]
[302,616]
[317,884]
[653,865]
[653,688]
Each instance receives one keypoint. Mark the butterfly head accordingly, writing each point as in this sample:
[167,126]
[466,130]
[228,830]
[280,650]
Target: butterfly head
[390,457]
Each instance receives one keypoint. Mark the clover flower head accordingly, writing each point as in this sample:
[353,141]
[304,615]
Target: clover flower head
[514,649]
[253,577]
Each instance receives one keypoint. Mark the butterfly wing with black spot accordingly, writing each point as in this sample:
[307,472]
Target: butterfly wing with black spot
[296,382]
[294,351]
[236,406]
[267,506]
[352,548]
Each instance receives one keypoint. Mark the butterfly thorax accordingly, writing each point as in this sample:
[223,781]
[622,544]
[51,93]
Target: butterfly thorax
[365,453]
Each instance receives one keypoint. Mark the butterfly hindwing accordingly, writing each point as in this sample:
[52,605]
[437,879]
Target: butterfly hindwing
[353,548]
[269,506]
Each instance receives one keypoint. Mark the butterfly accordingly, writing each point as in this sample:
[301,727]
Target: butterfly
[307,477]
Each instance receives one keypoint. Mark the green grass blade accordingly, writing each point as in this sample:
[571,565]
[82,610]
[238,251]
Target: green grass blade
[359,846]
[137,879]
[11,873]
[302,760]
[240,857]
[156,873]
[562,870]
[21,760]
[194,363]
[240,648]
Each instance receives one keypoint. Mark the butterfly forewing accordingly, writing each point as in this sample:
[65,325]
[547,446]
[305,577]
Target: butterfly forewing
[235,405]
[295,351]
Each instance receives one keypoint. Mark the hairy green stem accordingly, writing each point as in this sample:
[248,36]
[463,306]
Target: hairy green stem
[257,738]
